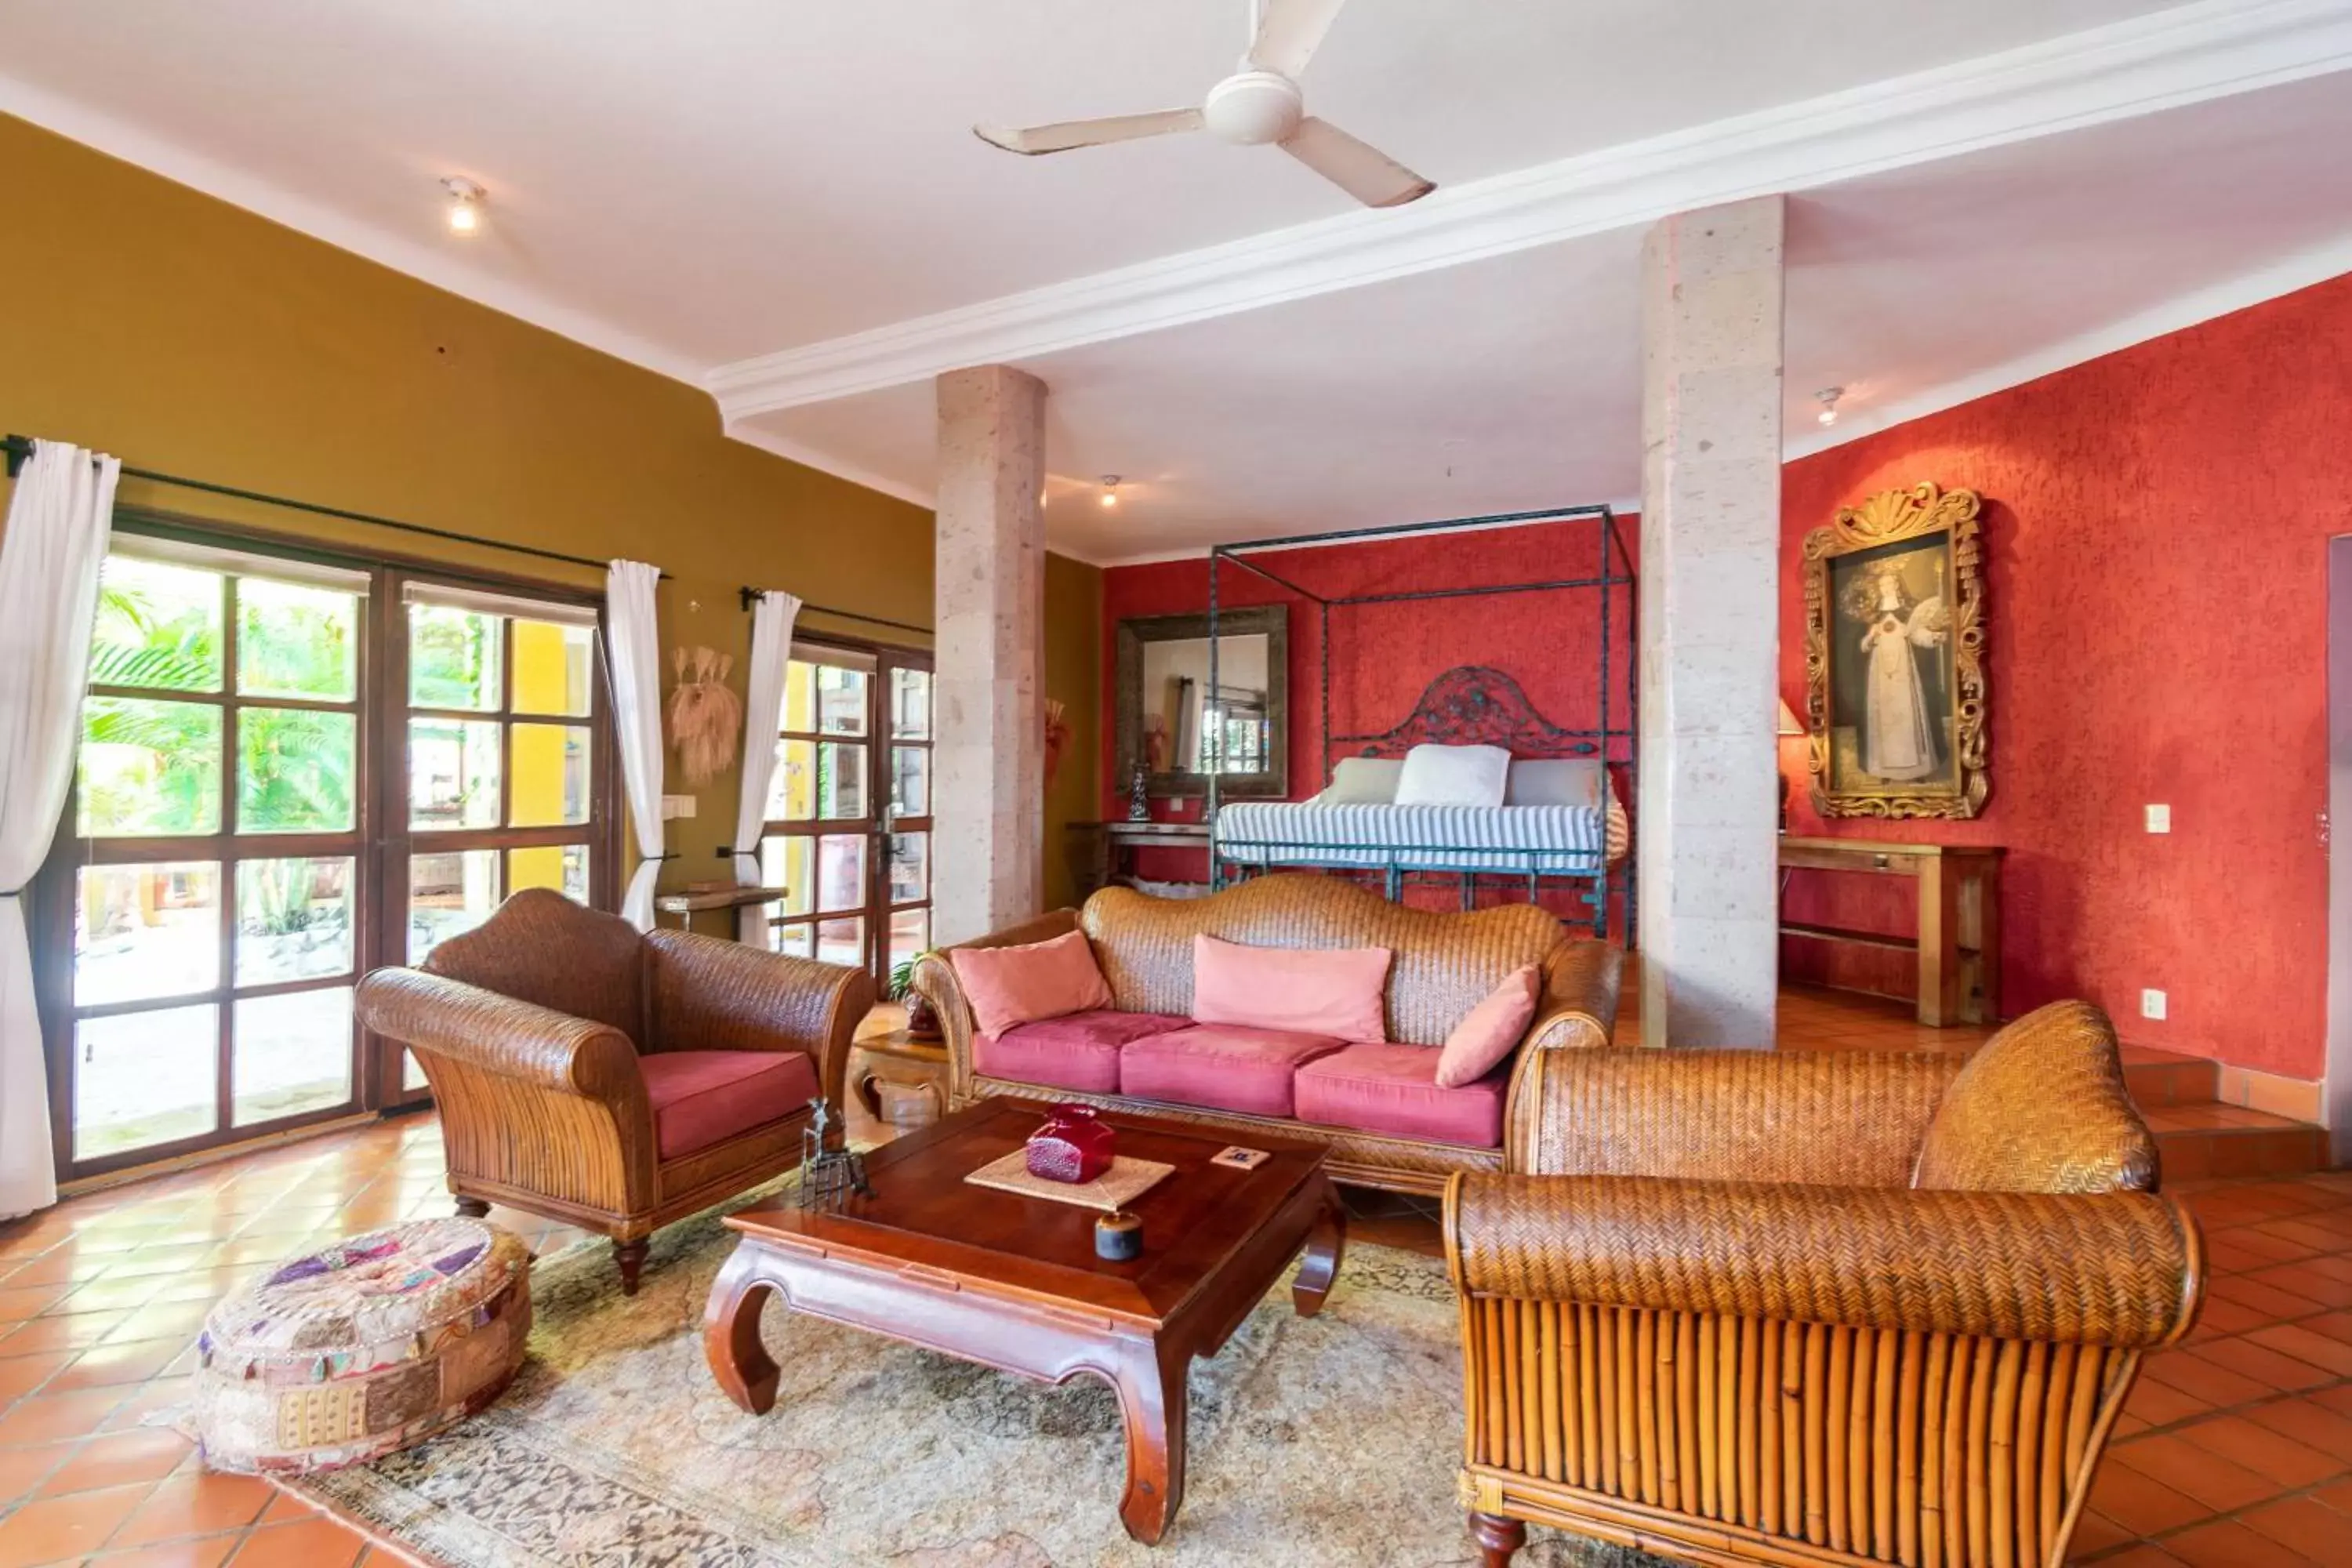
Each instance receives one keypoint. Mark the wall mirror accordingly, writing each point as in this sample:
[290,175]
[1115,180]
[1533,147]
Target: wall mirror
[1178,728]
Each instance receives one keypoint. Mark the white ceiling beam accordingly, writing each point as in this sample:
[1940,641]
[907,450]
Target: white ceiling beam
[2175,57]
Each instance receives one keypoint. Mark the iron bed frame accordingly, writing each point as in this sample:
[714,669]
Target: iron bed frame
[1613,743]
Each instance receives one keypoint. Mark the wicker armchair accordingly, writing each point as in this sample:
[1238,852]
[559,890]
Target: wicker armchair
[1815,1308]
[615,1080]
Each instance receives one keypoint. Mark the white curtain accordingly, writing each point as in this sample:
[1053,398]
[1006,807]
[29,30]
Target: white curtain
[637,720]
[50,558]
[763,703]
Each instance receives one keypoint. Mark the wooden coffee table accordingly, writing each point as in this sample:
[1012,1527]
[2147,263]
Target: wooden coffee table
[1013,1282]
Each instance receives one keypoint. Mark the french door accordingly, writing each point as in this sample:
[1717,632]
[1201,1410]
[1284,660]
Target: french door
[232,851]
[848,834]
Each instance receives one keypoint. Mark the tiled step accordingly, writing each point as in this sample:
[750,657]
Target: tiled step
[2166,1078]
[2208,1139]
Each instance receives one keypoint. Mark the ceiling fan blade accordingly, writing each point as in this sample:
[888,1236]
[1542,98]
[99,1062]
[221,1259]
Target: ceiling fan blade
[1069,134]
[1289,32]
[1367,173]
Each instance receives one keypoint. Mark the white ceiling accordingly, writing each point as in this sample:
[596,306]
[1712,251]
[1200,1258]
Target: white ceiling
[782,200]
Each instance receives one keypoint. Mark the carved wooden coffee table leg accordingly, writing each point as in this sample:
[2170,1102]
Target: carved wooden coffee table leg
[1319,1265]
[731,1333]
[1154,1400]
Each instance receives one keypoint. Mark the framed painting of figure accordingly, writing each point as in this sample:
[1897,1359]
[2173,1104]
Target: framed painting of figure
[1894,647]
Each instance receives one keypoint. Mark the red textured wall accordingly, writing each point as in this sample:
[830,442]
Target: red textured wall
[2156,532]
[1383,655]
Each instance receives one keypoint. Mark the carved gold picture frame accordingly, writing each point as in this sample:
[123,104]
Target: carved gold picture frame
[1894,657]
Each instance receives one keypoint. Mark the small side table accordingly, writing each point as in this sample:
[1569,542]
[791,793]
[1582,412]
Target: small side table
[901,1059]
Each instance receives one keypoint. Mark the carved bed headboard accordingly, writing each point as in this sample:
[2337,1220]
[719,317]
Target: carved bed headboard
[1470,705]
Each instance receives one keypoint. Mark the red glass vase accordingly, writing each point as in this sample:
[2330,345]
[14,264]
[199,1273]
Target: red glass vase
[1074,1145]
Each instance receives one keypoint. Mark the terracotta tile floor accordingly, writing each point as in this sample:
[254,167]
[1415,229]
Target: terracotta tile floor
[2236,1448]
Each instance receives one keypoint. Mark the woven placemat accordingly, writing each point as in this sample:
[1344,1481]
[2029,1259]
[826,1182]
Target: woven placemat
[1125,1180]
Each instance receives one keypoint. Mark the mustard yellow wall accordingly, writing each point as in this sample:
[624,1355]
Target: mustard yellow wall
[1074,677]
[189,336]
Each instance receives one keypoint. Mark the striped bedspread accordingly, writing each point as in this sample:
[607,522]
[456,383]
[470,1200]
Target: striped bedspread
[1553,840]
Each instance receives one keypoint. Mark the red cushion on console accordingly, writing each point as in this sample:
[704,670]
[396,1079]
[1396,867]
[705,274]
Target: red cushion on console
[1076,1050]
[702,1098]
[1222,1066]
[1392,1090]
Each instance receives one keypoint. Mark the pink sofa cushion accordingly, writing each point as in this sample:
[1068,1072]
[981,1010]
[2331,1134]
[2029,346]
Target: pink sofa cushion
[702,1098]
[1490,1031]
[1220,1065]
[1008,986]
[1392,1090]
[1078,1050]
[1336,993]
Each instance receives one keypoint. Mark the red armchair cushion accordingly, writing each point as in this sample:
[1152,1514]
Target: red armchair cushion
[1077,1051]
[1222,1065]
[1394,1089]
[702,1098]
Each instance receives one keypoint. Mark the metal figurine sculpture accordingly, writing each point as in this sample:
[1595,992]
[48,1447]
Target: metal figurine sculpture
[1138,796]
[830,1170]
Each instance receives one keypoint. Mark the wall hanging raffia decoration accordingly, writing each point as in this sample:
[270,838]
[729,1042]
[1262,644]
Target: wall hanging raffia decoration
[1057,737]
[705,715]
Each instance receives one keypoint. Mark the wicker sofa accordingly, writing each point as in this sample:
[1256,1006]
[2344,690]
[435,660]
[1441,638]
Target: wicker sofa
[1819,1308]
[1444,963]
[614,1079]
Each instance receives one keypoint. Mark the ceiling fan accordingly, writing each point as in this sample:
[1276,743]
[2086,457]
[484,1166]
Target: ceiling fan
[1259,103]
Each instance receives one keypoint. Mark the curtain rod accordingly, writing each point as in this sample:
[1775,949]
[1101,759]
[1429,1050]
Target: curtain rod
[19,449]
[750,596]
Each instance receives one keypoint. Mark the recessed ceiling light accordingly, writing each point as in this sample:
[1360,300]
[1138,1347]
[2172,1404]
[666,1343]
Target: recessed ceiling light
[464,210]
[1828,397]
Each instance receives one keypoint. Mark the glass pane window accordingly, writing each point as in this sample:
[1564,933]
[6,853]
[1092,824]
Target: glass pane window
[147,930]
[549,775]
[562,867]
[798,940]
[911,780]
[448,894]
[842,942]
[840,782]
[293,1054]
[454,658]
[145,1079]
[294,919]
[840,700]
[910,936]
[296,770]
[149,767]
[158,625]
[792,794]
[840,871]
[553,667]
[911,703]
[910,868]
[296,641]
[788,863]
[452,774]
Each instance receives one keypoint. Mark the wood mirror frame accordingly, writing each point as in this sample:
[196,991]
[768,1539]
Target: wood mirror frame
[1270,783]
[1932,518]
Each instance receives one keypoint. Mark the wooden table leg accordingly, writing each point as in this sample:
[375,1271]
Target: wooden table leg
[1319,1265]
[731,1333]
[1153,1401]
[1940,943]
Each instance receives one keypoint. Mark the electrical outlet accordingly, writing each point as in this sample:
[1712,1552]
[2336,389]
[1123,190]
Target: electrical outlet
[2151,1004]
[674,806]
[2159,819]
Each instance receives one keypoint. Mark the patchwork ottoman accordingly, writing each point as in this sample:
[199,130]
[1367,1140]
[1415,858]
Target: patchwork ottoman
[367,1346]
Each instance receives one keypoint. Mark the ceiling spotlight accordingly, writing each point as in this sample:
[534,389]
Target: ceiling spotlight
[465,204]
[1109,492]
[1828,396]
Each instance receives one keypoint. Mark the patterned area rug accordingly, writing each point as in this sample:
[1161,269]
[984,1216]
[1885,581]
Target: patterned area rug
[1323,1440]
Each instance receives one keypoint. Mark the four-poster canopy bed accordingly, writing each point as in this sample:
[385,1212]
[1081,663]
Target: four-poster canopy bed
[1560,821]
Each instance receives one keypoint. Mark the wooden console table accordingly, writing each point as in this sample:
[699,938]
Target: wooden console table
[1958,942]
[1101,850]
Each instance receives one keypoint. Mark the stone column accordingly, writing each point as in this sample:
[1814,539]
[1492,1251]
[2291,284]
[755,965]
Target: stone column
[989,756]
[1711,292]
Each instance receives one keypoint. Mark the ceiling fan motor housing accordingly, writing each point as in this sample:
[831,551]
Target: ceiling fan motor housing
[1253,107]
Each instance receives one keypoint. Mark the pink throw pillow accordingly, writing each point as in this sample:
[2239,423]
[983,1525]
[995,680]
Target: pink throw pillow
[1490,1031]
[1010,985]
[1336,993]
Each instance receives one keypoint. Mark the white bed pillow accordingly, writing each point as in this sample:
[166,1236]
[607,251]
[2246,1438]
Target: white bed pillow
[1566,781]
[1454,775]
[1363,781]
